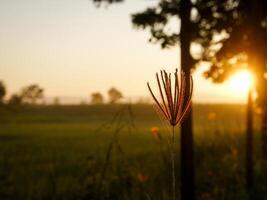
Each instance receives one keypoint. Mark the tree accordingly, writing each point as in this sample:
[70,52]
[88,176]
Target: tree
[236,38]
[114,95]
[32,93]
[2,92]
[97,98]
[187,144]
[15,99]
[242,26]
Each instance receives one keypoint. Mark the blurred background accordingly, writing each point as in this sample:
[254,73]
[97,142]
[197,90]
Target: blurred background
[77,120]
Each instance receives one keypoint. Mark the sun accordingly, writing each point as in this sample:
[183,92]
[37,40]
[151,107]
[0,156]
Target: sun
[241,81]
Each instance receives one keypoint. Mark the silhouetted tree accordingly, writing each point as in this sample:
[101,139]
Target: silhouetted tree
[15,99]
[2,92]
[97,98]
[237,37]
[32,93]
[114,95]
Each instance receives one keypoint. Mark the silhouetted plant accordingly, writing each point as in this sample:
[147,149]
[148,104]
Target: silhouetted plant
[173,104]
[123,119]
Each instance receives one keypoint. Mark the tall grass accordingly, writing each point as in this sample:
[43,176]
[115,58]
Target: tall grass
[56,153]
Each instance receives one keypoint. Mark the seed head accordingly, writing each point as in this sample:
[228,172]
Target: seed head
[174,101]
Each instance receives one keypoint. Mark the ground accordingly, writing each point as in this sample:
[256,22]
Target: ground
[110,152]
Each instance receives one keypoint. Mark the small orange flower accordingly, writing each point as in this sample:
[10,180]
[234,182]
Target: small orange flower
[258,111]
[234,152]
[175,99]
[155,132]
[142,178]
[211,116]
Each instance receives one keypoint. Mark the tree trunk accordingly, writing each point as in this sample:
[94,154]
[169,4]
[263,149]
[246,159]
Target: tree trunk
[261,87]
[187,160]
[263,97]
[257,57]
[249,145]
[187,148]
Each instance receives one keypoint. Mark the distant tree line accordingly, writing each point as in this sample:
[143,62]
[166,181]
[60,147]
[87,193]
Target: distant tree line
[30,94]
[114,96]
[33,94]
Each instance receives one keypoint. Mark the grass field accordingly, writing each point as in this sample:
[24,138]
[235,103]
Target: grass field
[109,152]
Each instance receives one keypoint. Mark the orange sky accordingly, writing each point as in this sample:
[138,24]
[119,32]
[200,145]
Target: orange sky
[73,49]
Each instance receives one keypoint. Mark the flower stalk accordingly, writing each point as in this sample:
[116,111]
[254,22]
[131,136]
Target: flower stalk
[173,104]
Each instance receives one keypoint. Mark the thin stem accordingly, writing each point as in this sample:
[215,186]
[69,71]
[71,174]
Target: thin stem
[173,164]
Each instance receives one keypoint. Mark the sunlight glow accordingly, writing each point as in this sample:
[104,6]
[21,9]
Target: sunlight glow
[241,81]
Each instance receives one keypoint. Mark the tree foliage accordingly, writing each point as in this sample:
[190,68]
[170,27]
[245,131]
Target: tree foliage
[236,35]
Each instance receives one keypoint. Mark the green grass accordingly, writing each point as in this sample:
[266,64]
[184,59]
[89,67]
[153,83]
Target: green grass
[49,152]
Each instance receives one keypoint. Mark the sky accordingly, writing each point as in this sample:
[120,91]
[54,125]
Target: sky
[71,48]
